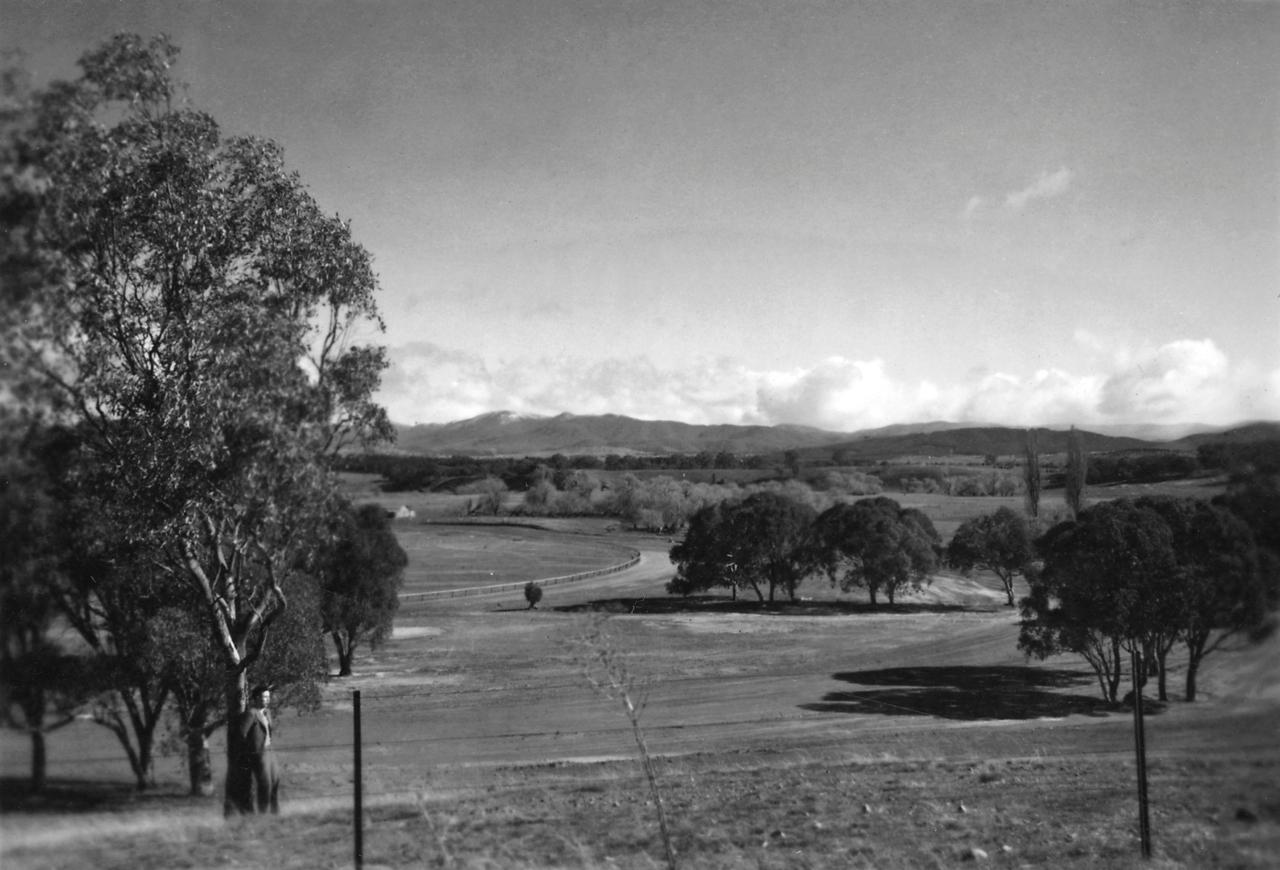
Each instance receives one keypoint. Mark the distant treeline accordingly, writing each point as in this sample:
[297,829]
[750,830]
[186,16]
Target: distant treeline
[410,473]
[401,473]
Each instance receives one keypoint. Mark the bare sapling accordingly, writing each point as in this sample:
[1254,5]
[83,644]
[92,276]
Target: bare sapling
[606,669]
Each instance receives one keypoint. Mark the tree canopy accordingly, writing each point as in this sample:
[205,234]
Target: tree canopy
[999,542]
[1142,575]
[361,573]
[184,305]
[877,545]
[756,542]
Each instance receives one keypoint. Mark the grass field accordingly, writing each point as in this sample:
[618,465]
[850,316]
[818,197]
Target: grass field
[822,734]
[459,556]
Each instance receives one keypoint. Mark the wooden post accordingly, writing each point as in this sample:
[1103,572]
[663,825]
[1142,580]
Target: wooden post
[1137,666]
[359,810]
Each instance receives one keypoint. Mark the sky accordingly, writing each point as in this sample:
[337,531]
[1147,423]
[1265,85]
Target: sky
[834,214]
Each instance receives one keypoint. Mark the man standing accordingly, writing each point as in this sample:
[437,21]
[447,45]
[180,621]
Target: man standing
[254,783]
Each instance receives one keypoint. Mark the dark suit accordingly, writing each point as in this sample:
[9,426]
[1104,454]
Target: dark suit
[253,778]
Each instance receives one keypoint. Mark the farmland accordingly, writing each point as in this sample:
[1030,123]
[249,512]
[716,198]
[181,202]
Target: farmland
[821,734]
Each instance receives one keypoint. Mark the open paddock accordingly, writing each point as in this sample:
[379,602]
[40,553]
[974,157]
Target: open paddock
[821,734]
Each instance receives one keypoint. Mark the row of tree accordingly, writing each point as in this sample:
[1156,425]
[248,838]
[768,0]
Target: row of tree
[1152,574]
[177,371]
[771,541]
[1148,574]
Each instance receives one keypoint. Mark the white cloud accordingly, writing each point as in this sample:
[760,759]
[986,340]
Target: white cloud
[1046,186]
[1164,382]
[1182,381]
[972,207]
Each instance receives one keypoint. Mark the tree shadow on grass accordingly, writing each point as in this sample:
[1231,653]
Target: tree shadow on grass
[719,604]
[86,796]
[966,693]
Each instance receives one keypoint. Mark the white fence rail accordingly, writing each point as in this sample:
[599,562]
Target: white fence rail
[411,598]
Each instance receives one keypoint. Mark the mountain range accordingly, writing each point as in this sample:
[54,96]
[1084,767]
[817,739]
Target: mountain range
[502,433]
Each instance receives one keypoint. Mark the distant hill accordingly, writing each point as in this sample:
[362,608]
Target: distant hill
[1259,431]
[502,433]
[505,434]
[974,441]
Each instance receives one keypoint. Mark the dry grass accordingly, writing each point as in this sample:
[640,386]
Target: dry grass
[772,812]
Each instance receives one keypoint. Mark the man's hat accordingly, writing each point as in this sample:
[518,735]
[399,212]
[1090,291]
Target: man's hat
[260,688]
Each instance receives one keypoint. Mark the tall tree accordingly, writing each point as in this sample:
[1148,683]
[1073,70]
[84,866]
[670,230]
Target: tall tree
[877,545]
[1031,476]
[770,533]
[1104,590]
[190,315]
[361,573]
[1000,542]
[295,663]
[704,556]
[753,543]
[41,685]
[1076,473]
[1222,591]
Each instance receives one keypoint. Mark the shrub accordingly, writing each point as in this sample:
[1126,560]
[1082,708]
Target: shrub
[532,594]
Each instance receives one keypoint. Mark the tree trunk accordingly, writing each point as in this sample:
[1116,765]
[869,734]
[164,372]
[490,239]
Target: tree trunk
[1007,581]
[39,761]
[1113,680]
[237,684]
[144,773]
[1195,654]
[345,654]
[199,761]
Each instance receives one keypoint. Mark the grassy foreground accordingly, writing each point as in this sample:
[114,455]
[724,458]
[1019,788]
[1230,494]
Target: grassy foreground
[758,811]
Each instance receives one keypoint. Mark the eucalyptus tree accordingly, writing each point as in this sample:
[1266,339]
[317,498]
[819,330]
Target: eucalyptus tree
[999,542]
[41,685]
[770,532]
[361,571]
[191,313]
[752,543]
[1105,589]
[877,545]
[1220,581]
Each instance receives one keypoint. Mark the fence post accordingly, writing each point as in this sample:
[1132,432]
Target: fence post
[359,809]
[1138,670]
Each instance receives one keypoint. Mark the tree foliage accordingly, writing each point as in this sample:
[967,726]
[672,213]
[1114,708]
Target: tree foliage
[877,545]
[1031,476]
[999,542]
[41,685]
[1103,589]
[1221,588]
[1143,575]
[1076,473]
[187,308]
[532,594]
[757,542]
[361,573]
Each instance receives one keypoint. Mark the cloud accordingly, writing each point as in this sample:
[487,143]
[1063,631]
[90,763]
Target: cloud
[1046,186]
[837,393]
[972,207]
[1161,383]
[1189,380]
